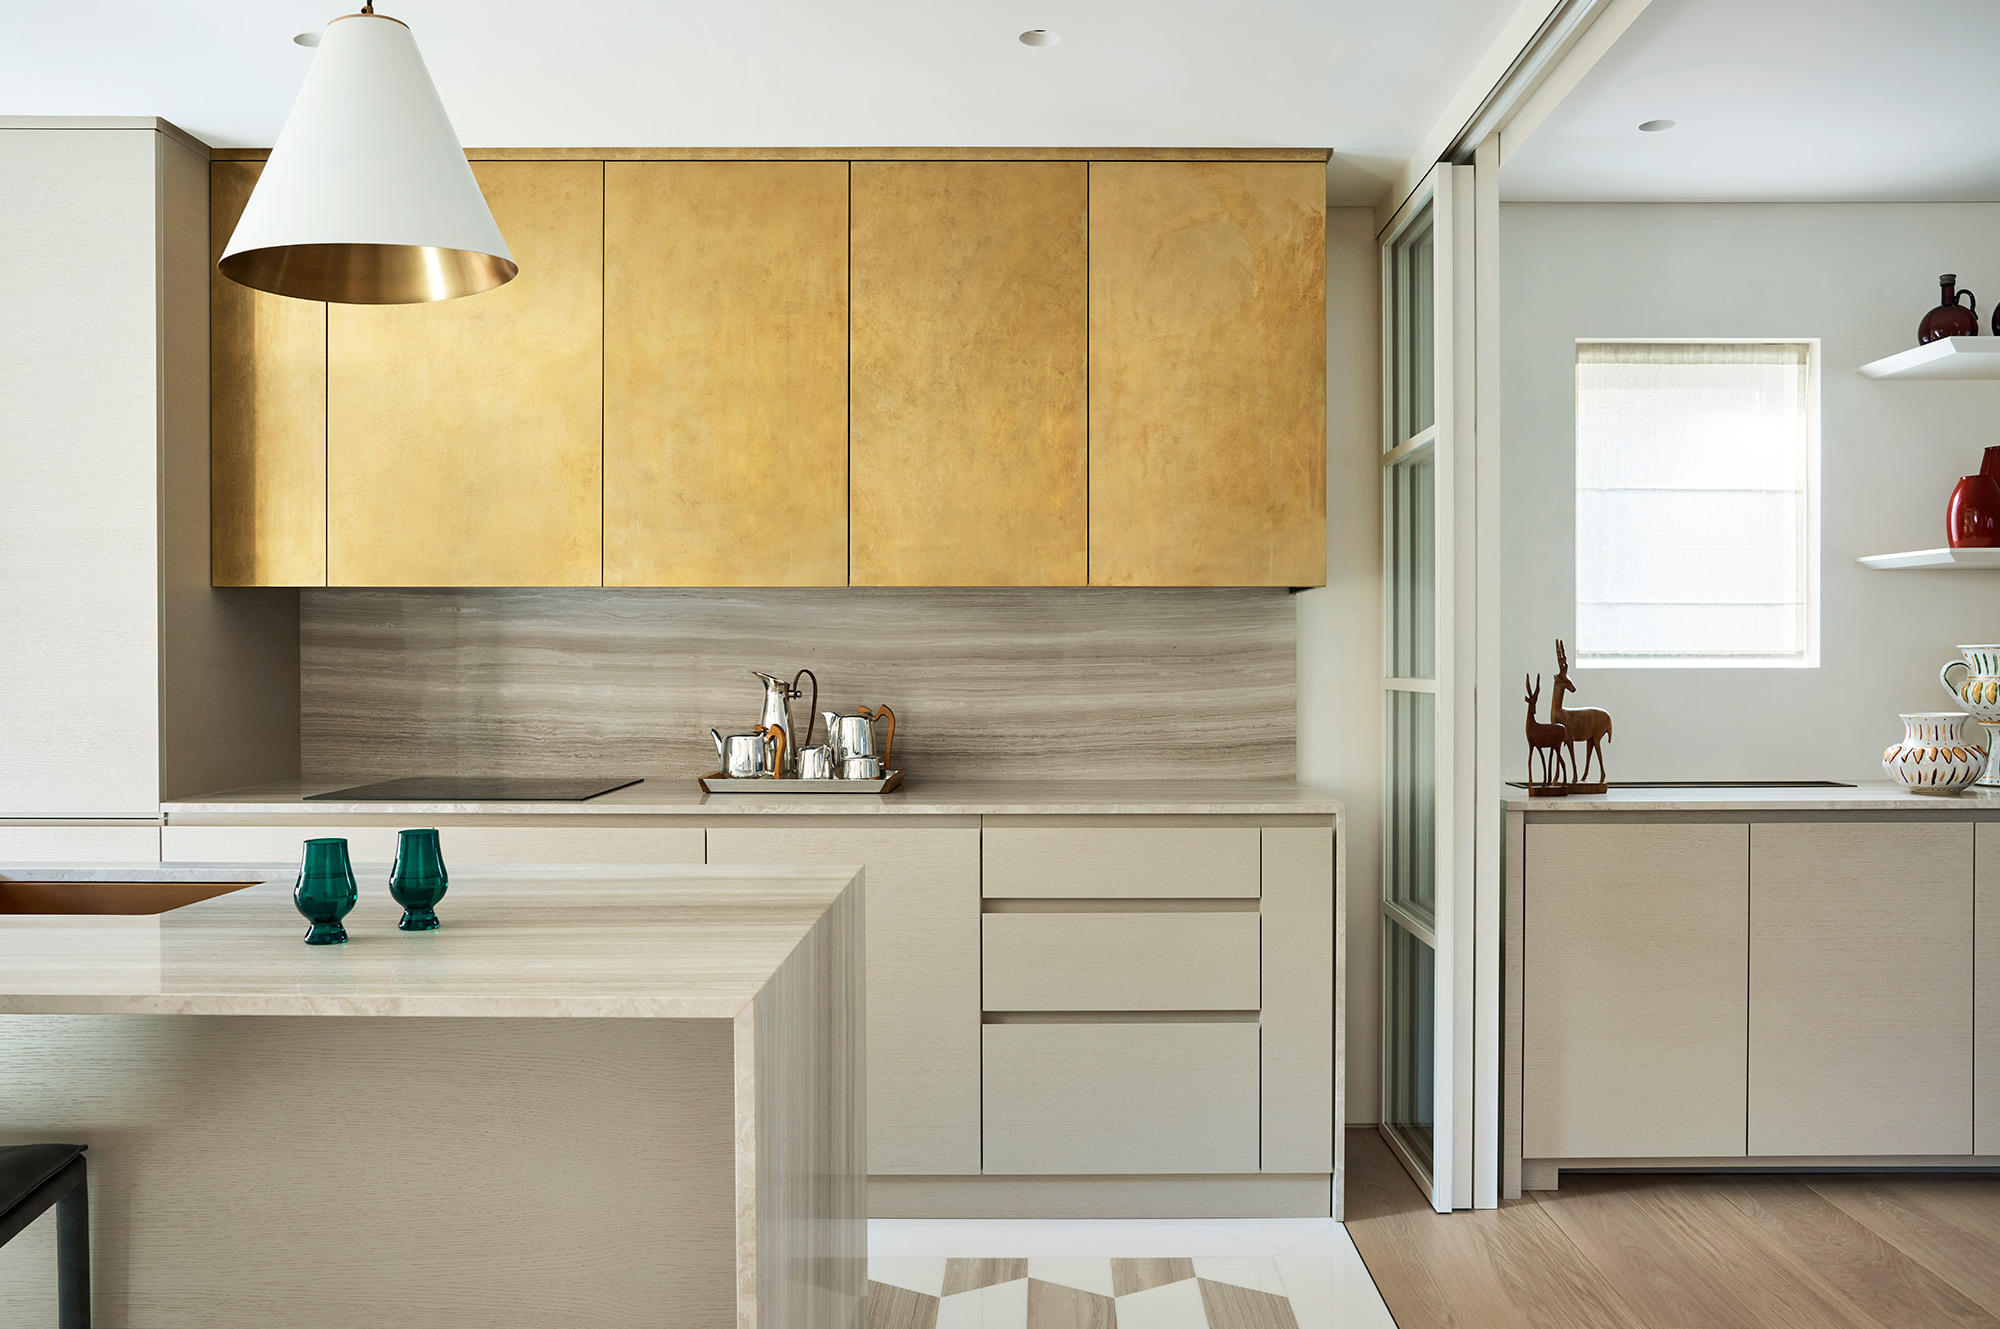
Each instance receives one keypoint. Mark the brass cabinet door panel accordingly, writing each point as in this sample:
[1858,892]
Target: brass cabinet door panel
[465,438]
[1207,374]
[267,431]
[967,450]
[725,374]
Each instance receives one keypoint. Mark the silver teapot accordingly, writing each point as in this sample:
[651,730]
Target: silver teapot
[854,736]
[778,697]
[751,756]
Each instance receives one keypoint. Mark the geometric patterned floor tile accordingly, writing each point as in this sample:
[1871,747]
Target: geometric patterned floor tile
[1231,1307]
[971,1275]
[891,1307]
[1128,1276]
[995,1306]
[1169,1306]
[1053,1306]
[1086,1275]
[925,1276]
[1252,1271]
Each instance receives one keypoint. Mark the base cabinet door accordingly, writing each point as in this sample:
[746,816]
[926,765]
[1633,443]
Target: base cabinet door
[1861,1003]
[922,903]
[1633,1006]
[1091,1098]
[1986,997]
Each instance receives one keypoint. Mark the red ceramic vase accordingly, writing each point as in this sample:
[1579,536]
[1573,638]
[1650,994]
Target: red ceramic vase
[1990,466]
[1973,519]
[1950,318]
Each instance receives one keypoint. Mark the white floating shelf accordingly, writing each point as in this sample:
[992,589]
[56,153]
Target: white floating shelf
[1935,558]
[1947,357]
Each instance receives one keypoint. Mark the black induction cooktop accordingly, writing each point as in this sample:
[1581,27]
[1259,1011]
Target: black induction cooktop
[481,789]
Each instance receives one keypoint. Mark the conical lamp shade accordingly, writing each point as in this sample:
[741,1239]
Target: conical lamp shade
[367,198]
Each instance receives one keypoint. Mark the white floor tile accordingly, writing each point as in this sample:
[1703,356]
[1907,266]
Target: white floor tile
[1329,1286]
[1175,1306]
[1092,1275]
[918,1275]
[1251,1271]
[1002,1306]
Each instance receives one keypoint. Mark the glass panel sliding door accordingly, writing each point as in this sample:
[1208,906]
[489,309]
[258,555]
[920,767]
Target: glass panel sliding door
[1421,961]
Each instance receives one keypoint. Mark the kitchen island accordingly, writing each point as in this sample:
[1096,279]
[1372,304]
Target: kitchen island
[595,1096]
[1046,959]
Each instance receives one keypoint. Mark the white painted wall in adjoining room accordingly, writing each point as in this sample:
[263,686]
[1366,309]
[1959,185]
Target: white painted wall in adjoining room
[1857,276]
[1340,628]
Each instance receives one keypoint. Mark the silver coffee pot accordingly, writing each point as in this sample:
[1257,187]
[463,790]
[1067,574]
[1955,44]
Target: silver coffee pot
[854,735]
[778,698]
[753,755]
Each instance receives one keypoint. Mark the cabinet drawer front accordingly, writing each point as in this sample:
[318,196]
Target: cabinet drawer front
[1100,1099]
[1121,962]
[465,845]
[1109,862]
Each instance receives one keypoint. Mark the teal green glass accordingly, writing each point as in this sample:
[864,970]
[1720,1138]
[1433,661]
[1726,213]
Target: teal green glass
[418,880]
[326,891]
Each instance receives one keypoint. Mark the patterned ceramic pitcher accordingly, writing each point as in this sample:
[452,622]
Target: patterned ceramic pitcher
[1978,691]
[1934,757]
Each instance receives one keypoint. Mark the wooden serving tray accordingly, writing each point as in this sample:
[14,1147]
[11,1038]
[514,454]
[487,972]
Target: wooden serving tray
[715,782]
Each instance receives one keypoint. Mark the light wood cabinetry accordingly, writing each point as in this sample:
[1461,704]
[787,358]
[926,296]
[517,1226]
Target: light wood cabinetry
[1634,1008]
[1986,991]
[969,360]
[1301,936]
[267,397]
[1119,857]
[1861,988]
[464,438]
[922,894]
[1207,374]
[725,374]
[1109,1098]
[375,842]
[1126,961]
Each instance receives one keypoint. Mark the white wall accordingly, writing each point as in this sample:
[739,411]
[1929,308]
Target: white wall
[1340,628]
[1857,276]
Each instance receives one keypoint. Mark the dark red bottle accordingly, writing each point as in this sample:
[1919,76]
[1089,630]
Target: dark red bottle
[1972,520]
[1950,318]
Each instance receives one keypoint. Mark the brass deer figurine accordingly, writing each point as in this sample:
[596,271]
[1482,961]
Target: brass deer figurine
[1547,739]
[1586,725]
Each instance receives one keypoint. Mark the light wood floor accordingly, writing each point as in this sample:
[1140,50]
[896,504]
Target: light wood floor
[1684,1252]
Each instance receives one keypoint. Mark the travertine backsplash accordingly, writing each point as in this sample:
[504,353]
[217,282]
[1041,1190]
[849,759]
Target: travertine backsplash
[985,683]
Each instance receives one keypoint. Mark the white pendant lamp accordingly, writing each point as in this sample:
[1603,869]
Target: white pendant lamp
[367,198]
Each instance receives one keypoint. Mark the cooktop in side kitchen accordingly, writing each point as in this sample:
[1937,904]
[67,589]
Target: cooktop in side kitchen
[480,789]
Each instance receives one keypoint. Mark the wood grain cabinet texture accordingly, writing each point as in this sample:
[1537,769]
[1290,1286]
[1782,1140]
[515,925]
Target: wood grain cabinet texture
[1861,988]
[1108,1098]
[922,893]
[1125,961]
[725,373]
[1207,374]
[1120,857]
[969,360]
[1634,1007]
[464,438]
[267,436]
[1986,992]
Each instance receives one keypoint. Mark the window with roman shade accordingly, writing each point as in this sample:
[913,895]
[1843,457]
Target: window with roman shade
[1697,496]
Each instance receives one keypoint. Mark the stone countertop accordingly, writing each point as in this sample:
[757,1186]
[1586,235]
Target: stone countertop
[590,942]
[1869,796]
[679,795]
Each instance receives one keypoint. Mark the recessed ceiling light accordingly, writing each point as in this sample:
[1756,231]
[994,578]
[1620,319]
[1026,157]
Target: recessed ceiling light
[306,39]
[1039,37]
[1655,126]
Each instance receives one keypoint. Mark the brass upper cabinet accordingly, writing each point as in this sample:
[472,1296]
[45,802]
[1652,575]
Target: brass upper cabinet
[1207,374]
[725,374]
[970,322]
[267,437]
[464,438]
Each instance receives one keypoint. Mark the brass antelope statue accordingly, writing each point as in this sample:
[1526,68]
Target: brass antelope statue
[1586,725]
[1547,739]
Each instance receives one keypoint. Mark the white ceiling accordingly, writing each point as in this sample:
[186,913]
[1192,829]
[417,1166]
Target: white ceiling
[1780,100]
[1364,77]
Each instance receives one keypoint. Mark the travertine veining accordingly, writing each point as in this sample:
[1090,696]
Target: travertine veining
[1020,684]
